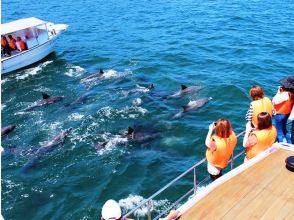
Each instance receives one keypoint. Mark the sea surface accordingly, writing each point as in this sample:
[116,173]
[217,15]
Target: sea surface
[223,46]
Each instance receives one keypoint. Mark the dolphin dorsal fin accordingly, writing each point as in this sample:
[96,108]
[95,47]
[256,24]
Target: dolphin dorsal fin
[101,71]
[183,87]
[130,130]
[45,96]
[184,108]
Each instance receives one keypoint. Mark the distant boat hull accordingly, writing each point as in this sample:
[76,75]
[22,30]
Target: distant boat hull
[27,57]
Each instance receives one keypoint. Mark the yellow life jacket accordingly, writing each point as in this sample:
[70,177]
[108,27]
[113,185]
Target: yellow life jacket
[284,107]
[224,149]
[265,139]
[261,105]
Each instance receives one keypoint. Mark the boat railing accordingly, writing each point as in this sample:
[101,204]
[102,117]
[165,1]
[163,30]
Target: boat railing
[147,203]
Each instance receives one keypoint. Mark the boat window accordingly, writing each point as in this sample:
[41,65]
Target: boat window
[30,37]
[41,32]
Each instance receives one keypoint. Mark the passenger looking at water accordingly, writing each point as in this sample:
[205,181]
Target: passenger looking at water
[283,103]
[12,42]
[5,50]
[221,142]
[20,44]
[261,138]
[112,211]
[259,104]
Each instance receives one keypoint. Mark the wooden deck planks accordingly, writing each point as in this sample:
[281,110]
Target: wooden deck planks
[264,191]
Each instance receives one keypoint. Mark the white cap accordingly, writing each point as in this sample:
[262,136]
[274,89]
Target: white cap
[111,210]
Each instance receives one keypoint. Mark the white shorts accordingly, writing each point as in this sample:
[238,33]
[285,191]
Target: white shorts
[212,169]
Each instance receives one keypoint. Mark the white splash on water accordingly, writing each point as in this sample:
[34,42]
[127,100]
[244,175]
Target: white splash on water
[125,113]
[111,142]
[3,106]
[4,80]
[133,201]
[33,71]
[75,117]
[107,74]
[137,102]
[138,89]
[75,71]
[110,74]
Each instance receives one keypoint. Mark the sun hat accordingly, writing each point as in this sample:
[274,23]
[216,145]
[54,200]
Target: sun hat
[288,82]
[111,210]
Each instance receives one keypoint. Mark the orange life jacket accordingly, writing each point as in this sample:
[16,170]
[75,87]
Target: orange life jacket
[284,107]
[3,42]
[265,139]
[224,149]
[261,105]
[22,45]
[12,44]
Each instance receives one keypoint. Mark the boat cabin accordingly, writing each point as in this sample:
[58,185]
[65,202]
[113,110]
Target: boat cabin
[32,31]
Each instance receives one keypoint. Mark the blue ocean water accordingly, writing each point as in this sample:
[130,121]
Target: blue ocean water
[224,46]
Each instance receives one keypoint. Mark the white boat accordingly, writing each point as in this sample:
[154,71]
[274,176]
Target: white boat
[39,37]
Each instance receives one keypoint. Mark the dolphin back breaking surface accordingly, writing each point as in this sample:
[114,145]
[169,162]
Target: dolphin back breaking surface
[51,145]
[192,105]
[7,129]
[46,100]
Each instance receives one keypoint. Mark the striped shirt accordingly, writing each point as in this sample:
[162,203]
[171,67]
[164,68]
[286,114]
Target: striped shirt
[249,114]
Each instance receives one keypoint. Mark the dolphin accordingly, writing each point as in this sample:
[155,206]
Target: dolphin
[184,91]
[7,129]
[47,99]
[141,133]
[139,89]
[95,76]
[81,100]
[137,134]
[51,145]
[192,105]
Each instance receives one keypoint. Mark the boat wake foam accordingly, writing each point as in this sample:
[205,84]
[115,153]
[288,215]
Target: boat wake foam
[33,71]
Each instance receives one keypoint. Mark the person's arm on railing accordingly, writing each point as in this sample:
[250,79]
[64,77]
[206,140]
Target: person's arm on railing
[247,132]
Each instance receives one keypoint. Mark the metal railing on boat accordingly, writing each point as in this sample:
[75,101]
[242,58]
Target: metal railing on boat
[191,192]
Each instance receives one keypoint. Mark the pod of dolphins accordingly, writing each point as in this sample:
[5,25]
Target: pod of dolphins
[137,133]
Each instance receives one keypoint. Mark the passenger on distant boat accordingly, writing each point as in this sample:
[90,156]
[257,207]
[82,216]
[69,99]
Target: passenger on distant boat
[220,147]
[5,50]
[20,44]
[12,42]
[259,104]
[112,211]
[283,103]
[258,140]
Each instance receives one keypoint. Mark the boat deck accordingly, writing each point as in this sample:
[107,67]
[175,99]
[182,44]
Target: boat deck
[263,191]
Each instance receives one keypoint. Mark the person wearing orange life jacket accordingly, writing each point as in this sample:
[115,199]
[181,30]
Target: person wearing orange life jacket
[12,42]
[260,138]
[221,142]
[283,103]
[20,44]
[5,46]
[260,103]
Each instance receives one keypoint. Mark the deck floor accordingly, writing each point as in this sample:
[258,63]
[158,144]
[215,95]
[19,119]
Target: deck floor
[264,191]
